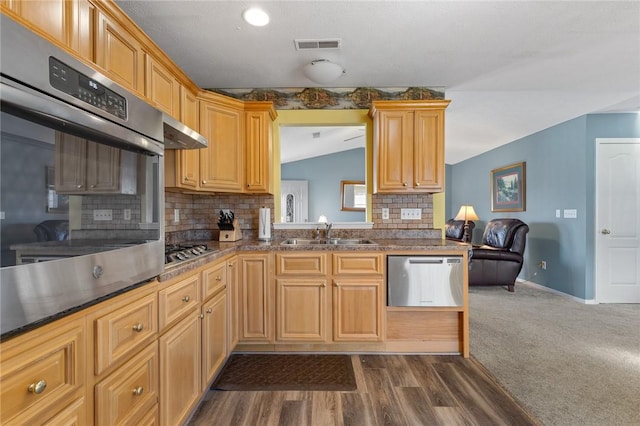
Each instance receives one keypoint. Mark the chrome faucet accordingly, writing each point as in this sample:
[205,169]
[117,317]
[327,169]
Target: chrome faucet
[327,233]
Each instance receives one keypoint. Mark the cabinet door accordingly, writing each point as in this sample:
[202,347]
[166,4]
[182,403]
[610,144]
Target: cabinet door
[103,168]
[428,151]
[49,17]
[180,369]
[259,152]
[233,296]
[71,163]
[43,372]
[214,336]
[68,23]
[119,54]
[357,309]
[187,161]
[394,151]
[222,162]
[255,299]
[130,392]
[162,88]
[301,309]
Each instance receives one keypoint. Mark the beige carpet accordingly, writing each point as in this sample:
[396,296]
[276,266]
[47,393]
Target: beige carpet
[567,362]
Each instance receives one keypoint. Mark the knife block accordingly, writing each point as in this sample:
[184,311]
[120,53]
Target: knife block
[234,234]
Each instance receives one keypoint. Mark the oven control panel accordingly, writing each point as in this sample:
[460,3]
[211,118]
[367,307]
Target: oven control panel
[78,85]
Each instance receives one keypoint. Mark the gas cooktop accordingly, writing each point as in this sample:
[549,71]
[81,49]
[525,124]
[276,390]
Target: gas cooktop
[175,254]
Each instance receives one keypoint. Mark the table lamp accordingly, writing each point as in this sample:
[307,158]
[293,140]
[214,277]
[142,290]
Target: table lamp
[466,213]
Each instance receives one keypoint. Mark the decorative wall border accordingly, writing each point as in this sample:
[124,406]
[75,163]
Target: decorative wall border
[331,98]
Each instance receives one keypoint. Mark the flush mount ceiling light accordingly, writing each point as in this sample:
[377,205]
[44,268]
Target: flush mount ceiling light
[323,71]
[256,17]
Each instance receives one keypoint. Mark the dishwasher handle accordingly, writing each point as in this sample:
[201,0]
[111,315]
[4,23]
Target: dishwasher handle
[427,260]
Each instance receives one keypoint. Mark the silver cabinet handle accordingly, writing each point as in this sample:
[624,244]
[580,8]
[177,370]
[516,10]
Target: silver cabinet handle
[186,299]
[605,231]
[37,387]
[138,391]
[138,327]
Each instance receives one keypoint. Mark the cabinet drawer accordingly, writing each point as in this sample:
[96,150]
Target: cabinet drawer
[357,264]
[213,279]
[129,392]
[121,332]
[42,372]
[73,414]
[178,299]
[301,263]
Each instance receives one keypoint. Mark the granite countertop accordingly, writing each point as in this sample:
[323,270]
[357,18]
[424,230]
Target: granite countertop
[221,249]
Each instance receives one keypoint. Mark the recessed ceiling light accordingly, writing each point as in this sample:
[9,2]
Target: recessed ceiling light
[256,17]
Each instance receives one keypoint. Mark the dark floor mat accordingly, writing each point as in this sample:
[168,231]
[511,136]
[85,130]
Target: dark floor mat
[271,372]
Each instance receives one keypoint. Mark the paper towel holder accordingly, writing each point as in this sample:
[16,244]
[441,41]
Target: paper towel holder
[264,224]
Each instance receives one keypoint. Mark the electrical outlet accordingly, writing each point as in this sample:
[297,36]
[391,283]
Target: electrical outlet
[385,213]
[176,215]
[543,264]
[411,214]
[557,212]
[126,214]
[103,214]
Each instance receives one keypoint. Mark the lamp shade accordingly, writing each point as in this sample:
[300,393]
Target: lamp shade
[466,213]
[322,71]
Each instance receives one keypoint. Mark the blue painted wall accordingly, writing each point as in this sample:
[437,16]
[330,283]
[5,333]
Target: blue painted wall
[324,174]
[560,174]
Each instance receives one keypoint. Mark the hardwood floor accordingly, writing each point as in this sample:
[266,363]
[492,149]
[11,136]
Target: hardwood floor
[392,390]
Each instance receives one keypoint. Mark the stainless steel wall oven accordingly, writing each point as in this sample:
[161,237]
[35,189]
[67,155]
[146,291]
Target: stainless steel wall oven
[81,195]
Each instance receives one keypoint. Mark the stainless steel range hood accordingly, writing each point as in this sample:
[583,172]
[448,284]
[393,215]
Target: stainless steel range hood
[179,136]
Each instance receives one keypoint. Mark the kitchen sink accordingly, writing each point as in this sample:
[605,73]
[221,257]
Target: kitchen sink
[331,241]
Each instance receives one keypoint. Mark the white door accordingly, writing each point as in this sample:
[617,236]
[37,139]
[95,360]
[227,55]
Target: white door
[617,221]
[294,201]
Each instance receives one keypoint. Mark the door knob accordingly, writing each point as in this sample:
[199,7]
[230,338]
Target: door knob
[605,231]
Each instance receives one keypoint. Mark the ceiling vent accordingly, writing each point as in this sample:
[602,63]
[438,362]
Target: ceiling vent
[311,44]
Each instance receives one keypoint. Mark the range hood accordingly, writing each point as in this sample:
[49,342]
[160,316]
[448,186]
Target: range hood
[179,136]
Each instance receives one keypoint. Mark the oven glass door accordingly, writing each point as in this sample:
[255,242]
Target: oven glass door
[62,195]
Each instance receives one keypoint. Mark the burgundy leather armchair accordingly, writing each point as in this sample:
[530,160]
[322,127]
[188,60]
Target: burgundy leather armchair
[498,261]
[454,230]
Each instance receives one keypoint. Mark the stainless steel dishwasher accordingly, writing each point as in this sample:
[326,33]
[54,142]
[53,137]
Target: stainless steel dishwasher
[424,281]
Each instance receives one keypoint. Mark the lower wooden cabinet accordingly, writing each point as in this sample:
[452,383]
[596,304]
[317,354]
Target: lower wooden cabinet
[127,394]
[255,298]
[301,310]
[357,309]
[180,374]
[43,374]
[233,297]
[214,336]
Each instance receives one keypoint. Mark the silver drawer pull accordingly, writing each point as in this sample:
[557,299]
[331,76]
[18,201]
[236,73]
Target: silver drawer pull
[436,261]
[218,278]
[186,299]
[138,391]
[37,387]
[138,327]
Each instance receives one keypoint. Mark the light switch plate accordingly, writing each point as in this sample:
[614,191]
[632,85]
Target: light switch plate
[102,214]
[570,213]
[411,214]
[557,212]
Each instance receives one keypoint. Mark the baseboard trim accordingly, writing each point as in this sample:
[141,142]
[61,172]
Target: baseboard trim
[559,293]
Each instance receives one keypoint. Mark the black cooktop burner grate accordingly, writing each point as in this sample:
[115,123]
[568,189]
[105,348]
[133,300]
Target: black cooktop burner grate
[175,253]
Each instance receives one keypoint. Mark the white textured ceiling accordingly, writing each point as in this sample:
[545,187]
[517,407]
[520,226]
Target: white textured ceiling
[511,68]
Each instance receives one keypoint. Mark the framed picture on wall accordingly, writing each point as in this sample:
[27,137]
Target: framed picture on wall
[508,188]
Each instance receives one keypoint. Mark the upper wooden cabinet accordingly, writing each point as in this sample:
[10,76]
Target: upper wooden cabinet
[259,118]
[162,88]
[408,146]
[67,23]
[119,54]
[222,162]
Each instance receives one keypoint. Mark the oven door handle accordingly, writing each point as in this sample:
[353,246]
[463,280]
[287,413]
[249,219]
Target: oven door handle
[52,112]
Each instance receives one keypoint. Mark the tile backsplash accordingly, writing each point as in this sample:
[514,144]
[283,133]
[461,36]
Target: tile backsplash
[200,212]
[396,202]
